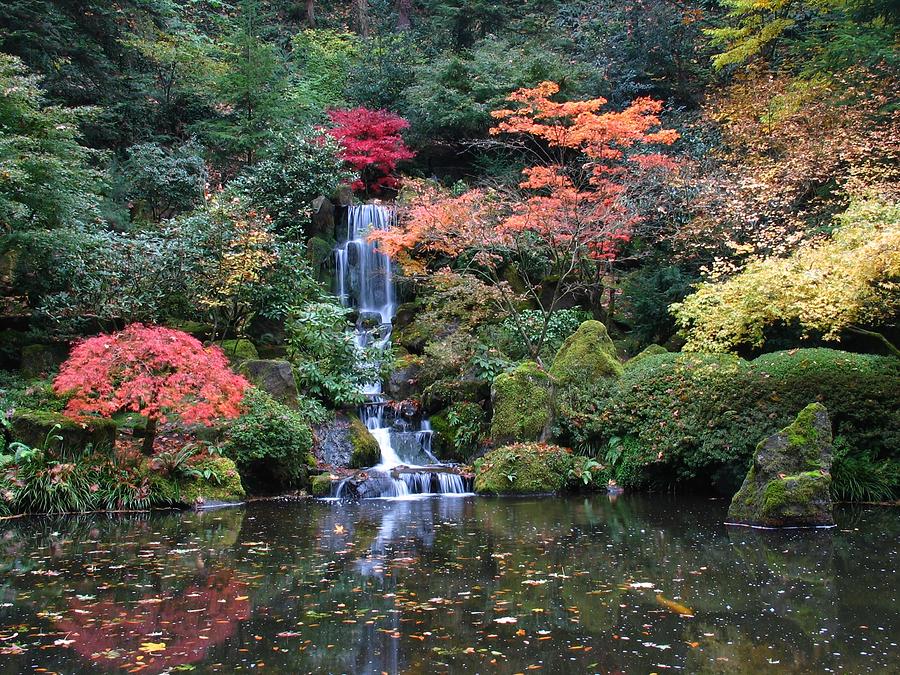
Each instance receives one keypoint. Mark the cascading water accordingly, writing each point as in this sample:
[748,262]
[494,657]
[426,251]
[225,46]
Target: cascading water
[365,281]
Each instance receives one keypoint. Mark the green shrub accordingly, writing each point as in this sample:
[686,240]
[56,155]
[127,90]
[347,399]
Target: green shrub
[523,468]
[857,476]
[270,443]
[697,417]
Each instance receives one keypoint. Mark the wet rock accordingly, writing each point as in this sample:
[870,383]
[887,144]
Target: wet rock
[275,377]
[789,482]
[402,383]
[323,216]
[332,441]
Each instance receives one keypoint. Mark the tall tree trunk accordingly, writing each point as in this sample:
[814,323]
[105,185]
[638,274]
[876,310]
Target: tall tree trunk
[311,13]
[361,16]
[404,7]
[149,436]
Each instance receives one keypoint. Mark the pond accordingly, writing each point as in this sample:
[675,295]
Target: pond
[632,584]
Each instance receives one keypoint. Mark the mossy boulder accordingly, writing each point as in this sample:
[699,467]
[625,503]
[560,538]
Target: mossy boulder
[366,452]
[523,468]
[523,405]
[586,356]
[275,377]
[38,360]
[223,485]
[790,480]
[652,350]
[37,427]
[238,350]
[321,485]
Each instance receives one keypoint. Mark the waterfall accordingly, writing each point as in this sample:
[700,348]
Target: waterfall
[365,281]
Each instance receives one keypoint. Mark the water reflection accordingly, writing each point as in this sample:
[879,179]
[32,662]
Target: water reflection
[448,584]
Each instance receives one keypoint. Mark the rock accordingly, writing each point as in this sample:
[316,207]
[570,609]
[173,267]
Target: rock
[405,314]
[365,448]
[32,427]
[523,468]
[369,320]
[323,216]
[38,360]
[401,384]
[224,486]
[652,350]
[238,350]
[274,377]
[523,405]
[586,356]
[345,442]
[789,482]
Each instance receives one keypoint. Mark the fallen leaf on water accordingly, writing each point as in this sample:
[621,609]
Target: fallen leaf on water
[506,619]
[151,647]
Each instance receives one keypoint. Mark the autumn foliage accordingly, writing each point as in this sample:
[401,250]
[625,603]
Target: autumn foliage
[371,144]
[153,371]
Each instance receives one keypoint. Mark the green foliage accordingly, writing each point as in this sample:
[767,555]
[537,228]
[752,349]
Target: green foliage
[327,361]
[647,293]
[48,178]
[697,417]
[454,94]
[297,166]
[531,328]
[386,68]
[323,59]
[523,468]
[270,443]
[163,182]
[467,424]
[858,476]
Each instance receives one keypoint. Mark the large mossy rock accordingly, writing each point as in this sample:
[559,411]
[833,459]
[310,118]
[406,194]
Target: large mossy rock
[37,427]
[365,452]
[523,405]
[789,482]
[224,484]
[321,485]
[587,355]
[275,377]
[523,468]
[652,350]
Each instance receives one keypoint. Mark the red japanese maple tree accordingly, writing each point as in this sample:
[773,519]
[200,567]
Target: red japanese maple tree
[371,143]
[153,371]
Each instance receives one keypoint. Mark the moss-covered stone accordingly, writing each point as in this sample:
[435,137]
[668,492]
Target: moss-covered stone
[790,480]
[198,329]
[321,485]
[238,350]
[37,427]
[652,350]
[414,336]
[586,356]
[224,484]
[523,468]
[523,405]
[366,452]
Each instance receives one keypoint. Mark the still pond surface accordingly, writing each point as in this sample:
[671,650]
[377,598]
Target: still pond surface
[449,584]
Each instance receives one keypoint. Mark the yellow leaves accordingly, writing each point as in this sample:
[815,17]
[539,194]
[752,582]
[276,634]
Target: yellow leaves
[152,647]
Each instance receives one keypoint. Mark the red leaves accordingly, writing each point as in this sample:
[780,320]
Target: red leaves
[372,145]
[153,371]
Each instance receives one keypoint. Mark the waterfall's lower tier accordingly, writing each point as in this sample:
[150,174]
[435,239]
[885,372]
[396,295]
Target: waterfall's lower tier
[403,481]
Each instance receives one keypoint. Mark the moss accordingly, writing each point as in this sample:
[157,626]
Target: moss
[366,452]
[414,336]
[238,350]
[320,251]
[524,468]
[442,436]
[652,350]
[522,404]
[32,427]
[321,485]
[586,355]
[224,485]
[199,330]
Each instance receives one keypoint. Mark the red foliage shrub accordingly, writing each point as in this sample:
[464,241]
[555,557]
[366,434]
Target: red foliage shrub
[372,145]
[152,371]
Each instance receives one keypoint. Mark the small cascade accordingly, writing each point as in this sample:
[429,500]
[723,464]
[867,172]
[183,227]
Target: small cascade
[364,281]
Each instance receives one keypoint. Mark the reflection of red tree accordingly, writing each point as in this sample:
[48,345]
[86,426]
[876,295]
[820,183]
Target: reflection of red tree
[204,614]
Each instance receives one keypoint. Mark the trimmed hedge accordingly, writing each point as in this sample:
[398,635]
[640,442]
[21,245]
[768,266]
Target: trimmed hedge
[697,417]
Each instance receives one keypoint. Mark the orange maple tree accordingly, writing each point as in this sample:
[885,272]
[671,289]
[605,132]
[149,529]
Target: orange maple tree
[570,208]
